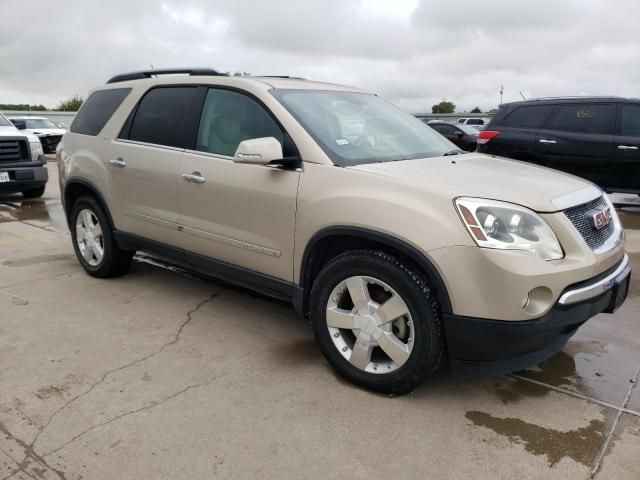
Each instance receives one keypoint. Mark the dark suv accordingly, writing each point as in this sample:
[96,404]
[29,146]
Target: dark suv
[597,138]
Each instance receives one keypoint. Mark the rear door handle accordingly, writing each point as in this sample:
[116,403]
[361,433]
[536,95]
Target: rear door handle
[118,162]
[627,147]
[544,140]
[194,177]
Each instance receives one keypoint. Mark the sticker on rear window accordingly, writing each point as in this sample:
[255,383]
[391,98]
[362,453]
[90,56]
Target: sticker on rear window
[342,141]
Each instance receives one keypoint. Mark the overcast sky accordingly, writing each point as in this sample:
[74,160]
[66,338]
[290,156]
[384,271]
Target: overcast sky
[413,53]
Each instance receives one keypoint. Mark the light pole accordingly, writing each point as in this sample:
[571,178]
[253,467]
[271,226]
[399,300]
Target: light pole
[501,92]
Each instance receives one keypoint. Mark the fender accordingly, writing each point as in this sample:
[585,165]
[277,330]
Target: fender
[94,190]
[300,293]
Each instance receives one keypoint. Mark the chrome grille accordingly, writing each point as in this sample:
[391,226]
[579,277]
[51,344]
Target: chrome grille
[581,217]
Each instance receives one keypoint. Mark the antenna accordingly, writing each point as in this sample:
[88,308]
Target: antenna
[520,92]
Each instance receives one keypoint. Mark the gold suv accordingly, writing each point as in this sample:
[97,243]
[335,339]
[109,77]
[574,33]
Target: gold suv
[402,250]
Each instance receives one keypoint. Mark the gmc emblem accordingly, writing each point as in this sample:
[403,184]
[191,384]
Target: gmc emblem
[601,219]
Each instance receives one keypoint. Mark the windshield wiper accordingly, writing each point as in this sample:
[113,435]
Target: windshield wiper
[455,151]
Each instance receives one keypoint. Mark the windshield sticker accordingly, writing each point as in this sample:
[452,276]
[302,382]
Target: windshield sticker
[342,141]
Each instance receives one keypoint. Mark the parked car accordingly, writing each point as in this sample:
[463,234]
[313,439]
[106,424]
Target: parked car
[23,166]
[407,252]
[475,122]
[461,135]
[596,138]
[47,131]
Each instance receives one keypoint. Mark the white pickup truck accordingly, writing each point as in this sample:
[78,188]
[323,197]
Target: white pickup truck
[23,166]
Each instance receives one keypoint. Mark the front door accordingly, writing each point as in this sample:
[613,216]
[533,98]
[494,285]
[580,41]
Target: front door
[144,162]
[625,168]
[242,215]
[578,140]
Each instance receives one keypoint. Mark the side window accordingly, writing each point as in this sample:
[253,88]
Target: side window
[444,129]
[631,120]
[161,115]
[475,121]
[230,117]
[532,116]
[584,118]
[97,111]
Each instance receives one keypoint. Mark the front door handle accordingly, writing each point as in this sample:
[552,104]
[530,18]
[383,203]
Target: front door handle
[627,147]
[118,162]
[195,177]
[544,140]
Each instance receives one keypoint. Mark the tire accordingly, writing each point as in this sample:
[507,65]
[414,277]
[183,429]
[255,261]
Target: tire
[98,254]
[34,192]
[418,332]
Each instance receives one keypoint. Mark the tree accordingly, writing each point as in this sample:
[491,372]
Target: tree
[443,107]
[22,107]
[72,104]
[476,110]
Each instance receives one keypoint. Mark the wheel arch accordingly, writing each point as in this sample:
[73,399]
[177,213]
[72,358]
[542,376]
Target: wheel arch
[75,188]
[328,242]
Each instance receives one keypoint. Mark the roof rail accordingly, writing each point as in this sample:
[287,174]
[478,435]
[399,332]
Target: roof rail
[142,74]
[573,97]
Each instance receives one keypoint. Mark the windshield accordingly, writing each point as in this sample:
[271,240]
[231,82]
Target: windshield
[4,122]
[468,130]
[35,123]
[355,128]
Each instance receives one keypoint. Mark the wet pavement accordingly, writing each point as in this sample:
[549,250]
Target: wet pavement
[159,374]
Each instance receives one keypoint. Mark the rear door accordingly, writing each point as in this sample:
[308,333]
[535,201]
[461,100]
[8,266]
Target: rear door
[625,171]
[238,214]
[578,140]
[143,169]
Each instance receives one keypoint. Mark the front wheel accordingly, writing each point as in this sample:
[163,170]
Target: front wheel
[93,241]
[377,321]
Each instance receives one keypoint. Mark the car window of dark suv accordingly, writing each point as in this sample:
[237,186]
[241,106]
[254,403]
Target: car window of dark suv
[532,116]
[631,120]
[584,118]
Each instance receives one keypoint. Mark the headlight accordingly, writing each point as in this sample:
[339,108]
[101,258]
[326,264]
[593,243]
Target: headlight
[506,226]
[36,150]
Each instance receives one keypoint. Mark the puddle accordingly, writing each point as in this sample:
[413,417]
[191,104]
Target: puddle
[42,210]
[581,445]
[514,390]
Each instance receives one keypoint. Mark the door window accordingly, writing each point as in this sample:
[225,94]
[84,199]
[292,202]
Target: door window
[532,116]
[444,129]
[631,120]
[229,118]
[584,118]
[161,115]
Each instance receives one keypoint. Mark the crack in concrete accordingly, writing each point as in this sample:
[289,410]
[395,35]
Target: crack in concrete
[105,375]
[29,448]
[126,414]
[605,446]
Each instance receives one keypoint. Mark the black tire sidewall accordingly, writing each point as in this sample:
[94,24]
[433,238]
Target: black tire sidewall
[426,352]
[103,269]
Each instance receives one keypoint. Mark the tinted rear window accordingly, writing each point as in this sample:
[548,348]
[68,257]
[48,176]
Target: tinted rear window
[161,115]
[584,118]
[97,111]
[529,117]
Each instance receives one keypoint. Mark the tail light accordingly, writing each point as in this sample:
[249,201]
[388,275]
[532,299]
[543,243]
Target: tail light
[485,135]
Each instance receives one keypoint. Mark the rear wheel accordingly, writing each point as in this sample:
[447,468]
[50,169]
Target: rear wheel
[93,241]
[377,321]
[34,192]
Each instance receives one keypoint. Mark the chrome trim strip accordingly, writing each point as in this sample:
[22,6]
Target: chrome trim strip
[145,144]
[599,287]
[578,197]
[209,154]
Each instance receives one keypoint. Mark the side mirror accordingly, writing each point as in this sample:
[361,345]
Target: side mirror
[258,151]
[20,124]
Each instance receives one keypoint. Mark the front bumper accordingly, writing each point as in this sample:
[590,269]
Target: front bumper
[24,175]
[481,347]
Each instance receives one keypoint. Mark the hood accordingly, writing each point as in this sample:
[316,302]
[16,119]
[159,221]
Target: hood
[14,132]
[478,175]
[46,131]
